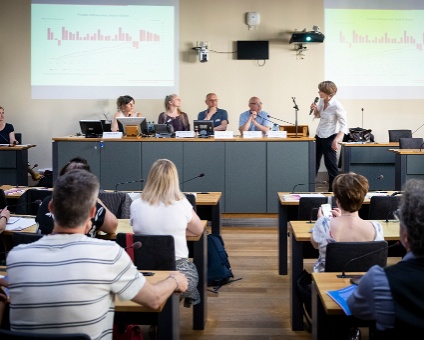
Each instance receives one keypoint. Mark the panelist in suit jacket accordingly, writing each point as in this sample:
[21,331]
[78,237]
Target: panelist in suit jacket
[163,209]
[254,119]
[219,116]
[173,114]
[393,296]
[125,106]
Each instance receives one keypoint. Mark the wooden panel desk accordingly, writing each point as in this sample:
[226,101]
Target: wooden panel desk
[409,163]
[370,160]
[300,234]
[199,252]
[287,211]
[14,164]
[328,319]
[167,316]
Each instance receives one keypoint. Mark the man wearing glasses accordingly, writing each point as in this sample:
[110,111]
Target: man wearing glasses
[219,116]
[254,119]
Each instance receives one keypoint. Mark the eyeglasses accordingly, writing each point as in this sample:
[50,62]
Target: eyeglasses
[255,103]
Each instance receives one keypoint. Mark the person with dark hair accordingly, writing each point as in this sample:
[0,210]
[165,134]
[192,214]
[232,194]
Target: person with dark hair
[331,129]
[345,225]
[164,210]
[393,296]
[218,116]
[67,282]
[103,220]
[173,114]
[125,105]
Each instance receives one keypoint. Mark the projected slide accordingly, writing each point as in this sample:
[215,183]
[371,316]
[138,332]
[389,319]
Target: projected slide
[374,53]
[96,49]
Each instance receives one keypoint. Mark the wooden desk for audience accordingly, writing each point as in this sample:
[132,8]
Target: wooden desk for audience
[327,314]
[14,164]
[300,234]
[409,163]
[167,316]
[208,203]
[199,252]
[287,211]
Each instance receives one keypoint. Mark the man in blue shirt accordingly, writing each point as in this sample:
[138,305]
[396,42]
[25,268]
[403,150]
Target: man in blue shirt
[393,296]
[219,116]
[254,119]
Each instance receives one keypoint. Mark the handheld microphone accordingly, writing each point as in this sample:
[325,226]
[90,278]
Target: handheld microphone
[135,245]
[136,181]
[320,182]
[198,176]
[343,275]
[315,101]
[284,121]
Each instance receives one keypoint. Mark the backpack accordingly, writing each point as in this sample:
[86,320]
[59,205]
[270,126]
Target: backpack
[219,268]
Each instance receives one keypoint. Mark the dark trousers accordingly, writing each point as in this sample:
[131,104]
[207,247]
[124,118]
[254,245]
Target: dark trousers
[323,148]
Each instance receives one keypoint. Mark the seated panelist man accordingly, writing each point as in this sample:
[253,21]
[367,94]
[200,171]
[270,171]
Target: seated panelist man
[254,119]
[219,116]
[66,282]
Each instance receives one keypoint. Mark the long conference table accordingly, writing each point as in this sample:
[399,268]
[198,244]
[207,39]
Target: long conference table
[300,233]
[198,248]
[166,317]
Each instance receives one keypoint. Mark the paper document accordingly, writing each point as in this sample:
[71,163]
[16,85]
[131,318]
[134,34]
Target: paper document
[296,197]
[20,223]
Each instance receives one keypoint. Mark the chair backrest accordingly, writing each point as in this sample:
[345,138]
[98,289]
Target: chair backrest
[3,201]
[12,335]
[383,207]
[30,200]
[192,199]
[394,135]
[338,254]
[410,143]
[156,253]
[117,202]
[308,208]
[24,238]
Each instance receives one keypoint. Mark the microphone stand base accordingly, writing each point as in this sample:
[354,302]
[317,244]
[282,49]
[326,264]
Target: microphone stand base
[353,276]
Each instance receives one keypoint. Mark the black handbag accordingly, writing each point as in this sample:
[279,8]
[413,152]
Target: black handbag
[360,135]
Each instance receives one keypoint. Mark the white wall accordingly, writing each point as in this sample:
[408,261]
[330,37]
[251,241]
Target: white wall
[221,22]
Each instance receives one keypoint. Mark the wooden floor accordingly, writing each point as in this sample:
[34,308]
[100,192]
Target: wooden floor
[256,307]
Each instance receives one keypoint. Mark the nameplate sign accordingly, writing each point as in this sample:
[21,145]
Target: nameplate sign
[184,134]
[252,134]
[277,134]
[223,134]
[112,134]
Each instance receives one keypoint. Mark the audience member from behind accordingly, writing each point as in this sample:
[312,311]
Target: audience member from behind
[219,116]
[331,128]
[66,282]
[393,296]
[173,115]
[164,210]
[103,220]
[345,225]
[125,106]
[254,119]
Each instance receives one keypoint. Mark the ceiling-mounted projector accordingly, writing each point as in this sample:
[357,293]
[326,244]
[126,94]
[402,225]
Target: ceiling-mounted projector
[310,37]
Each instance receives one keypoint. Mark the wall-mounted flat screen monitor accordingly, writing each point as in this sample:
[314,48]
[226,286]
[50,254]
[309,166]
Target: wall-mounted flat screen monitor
[132,126]
[91,128]
[204,128]
[252,49]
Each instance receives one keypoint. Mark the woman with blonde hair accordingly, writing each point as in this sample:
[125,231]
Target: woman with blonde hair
[173,115]
[163,209]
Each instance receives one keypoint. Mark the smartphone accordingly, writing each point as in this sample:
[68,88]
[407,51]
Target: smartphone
[326,210]
[147,273]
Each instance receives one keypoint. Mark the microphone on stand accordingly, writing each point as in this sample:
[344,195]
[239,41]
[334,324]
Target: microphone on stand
[315,101]
[136,181]
[135,245]
[280,120]
[343,275]
[320,182]
[198,176]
